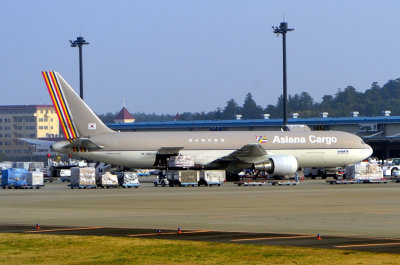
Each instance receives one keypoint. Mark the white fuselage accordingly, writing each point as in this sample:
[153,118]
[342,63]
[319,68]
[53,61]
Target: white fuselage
[139,149]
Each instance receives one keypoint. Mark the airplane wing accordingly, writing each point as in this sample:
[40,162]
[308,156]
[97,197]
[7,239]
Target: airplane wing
[250,153]
[84,143]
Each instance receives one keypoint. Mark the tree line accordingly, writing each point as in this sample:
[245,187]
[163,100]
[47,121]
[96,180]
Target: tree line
[369,103]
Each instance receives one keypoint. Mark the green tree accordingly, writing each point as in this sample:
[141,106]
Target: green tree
[250,110]
[231,109]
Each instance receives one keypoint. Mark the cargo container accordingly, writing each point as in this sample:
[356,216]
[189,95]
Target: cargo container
[13,177]
[106,180]
[181,161]
[364,171]
[20,178]
[183,177]
[34,179]
[128,179]
[83,177]
[212,177]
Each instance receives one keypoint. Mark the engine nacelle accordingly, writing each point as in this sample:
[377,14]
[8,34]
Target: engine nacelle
[281,165]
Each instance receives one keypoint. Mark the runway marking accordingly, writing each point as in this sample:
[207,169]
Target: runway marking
[269,238]
[170,233]
[65,229]
[367,245]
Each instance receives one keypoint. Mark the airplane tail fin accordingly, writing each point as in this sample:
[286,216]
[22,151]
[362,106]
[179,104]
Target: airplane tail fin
[76,118]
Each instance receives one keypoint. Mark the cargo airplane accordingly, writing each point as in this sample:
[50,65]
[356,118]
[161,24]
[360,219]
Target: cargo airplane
[276,152]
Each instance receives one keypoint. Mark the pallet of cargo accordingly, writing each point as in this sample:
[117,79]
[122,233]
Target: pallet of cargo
[343,181]
[286,183]
[130,185]
[352,181]
[107,186]
[214,184]
[22,187]
[377,181]
[251,183]
[83,186]
[185,184]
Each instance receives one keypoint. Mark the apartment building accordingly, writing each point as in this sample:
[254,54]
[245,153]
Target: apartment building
[25,121]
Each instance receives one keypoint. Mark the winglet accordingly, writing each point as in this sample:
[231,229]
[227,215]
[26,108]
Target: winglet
[76,118]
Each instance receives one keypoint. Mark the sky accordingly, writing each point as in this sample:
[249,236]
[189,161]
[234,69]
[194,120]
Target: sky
[164,57]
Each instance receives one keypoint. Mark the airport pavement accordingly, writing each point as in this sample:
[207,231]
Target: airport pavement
[335,211]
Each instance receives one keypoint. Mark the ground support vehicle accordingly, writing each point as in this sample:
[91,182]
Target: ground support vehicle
[65,175]
[160,180]
[57,168]
[212,177]
[391,167]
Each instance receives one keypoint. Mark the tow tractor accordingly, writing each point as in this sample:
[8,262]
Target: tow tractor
[161,179]
[391,167]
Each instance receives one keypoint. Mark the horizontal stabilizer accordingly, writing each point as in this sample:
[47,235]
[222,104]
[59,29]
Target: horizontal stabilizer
[46,143]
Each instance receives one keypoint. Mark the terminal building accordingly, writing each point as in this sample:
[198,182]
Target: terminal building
[382,133]
[26,121]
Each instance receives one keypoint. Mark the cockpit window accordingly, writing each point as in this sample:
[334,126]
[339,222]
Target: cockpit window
[362,141]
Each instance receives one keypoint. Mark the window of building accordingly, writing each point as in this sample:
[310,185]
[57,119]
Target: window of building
[40,119]
[40,127]
[45,119]
[46,127]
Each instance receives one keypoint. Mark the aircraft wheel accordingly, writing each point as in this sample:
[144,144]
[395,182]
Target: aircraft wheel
[155,184]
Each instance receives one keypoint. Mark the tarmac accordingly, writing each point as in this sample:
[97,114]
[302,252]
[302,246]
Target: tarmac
[358,216]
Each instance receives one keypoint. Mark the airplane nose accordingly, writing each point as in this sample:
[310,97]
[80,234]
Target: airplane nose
[369,151]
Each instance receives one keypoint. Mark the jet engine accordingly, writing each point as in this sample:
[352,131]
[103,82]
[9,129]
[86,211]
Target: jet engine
[281,165]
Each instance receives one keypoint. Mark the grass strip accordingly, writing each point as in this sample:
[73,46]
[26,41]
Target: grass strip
[63,249]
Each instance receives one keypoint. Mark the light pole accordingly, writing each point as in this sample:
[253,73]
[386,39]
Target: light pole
[283,29]
[78,43]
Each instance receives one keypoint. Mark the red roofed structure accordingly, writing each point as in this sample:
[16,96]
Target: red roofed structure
[124,116]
